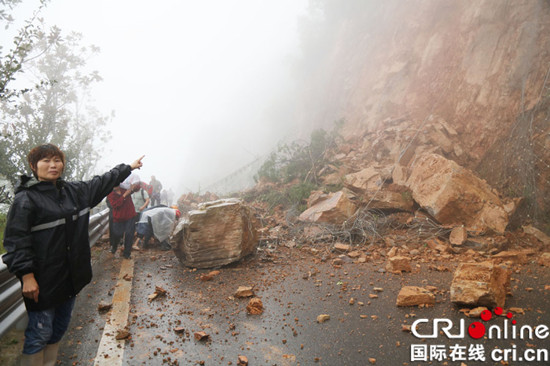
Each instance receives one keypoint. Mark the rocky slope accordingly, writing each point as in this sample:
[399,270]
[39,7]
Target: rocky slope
[467,79]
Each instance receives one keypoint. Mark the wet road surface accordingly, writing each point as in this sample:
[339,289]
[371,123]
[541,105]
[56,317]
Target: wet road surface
[295,286]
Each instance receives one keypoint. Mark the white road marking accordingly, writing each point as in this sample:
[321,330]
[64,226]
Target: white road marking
[111,350]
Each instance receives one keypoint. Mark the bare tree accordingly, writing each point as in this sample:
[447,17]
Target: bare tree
[57,110]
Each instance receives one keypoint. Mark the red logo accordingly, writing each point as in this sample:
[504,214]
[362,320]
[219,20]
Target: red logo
[477,330]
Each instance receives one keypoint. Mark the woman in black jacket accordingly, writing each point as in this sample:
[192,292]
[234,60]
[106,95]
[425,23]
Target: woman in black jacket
[47,244]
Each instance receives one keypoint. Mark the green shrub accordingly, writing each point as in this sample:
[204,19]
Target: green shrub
[298,160]
[292,196]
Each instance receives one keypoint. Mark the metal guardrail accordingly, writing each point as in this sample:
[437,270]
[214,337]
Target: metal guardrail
[12,308]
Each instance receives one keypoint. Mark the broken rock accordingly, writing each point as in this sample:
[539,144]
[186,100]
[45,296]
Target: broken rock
[341,248]
[480,284]
[219,233]
[399,264]
[368,179]
[255,306]
[415,296]
[476,312]
[244,291]
[544,260]
[514,256]
[102,306]
[531,230]
[322,318]
[334,210]
[458,235]
[242,361]
[201,336]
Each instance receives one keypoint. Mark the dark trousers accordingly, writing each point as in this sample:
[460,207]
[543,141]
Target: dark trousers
[123,229]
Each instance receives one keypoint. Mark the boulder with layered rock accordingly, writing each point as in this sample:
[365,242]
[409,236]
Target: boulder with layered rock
[371,184]
[218,233]
[368,179]
[455,196]
[335,209]
[480,284]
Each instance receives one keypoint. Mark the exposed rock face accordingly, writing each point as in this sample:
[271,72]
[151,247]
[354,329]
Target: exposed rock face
[219,233]
[455,196]
[480,284]
[414,296]
[421,68]
[371,184]
[402,60]
[334,210]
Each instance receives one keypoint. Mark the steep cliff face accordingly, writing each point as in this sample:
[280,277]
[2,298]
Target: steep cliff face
[479,67]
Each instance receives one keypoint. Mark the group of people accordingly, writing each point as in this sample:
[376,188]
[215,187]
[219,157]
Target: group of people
[136,208]
[47,244]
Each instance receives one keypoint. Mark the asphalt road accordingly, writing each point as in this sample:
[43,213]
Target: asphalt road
[295,286]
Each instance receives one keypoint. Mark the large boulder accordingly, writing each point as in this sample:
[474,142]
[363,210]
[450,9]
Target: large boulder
[480,284]
[218,233]
[455,196]
[336,209]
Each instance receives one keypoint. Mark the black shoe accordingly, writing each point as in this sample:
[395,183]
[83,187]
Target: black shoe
[127,256]
[165,246]
[113,250]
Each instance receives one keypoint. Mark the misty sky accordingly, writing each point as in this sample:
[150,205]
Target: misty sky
[193,83]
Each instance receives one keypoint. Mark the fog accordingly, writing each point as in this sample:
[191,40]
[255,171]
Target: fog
[200,88]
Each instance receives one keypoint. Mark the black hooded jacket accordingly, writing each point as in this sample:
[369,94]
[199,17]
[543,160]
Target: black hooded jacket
[47,234]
